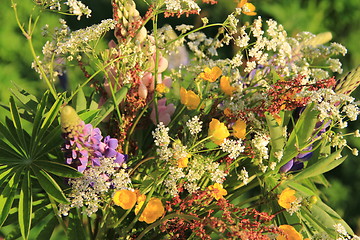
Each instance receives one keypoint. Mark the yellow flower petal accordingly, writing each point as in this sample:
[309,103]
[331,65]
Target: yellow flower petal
[153,210]
[225,86]
[211,74]
[286,197]
[217,131]
[239,129]
[217,191]
[290,233]
[189,98]
[125,198]
[183,162]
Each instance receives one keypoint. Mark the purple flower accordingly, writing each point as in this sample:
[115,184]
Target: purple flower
[297,163]
[86,148]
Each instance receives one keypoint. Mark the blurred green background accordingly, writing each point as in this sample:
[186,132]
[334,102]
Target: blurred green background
[341,18]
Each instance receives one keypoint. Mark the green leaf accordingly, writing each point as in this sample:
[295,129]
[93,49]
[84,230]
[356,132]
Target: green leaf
[276,134]
[58,169]
[26,99]
[7,196]
[76,228]
[300,137]
[110,104]
[321,166]
[53,140]
[17,124]
[9,136]
[49,184]
[89,115]
[80,100]
[40,111]
[335,216]
[47,228]
[25,206]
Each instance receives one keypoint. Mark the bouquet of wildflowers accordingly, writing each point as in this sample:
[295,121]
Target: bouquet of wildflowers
[165,139]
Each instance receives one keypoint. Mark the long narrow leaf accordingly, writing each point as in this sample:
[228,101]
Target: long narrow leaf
[58,169]
[25,206]
[322,165]
[300,136]
[7,196]
[14,143]
[37,121]
[49,184]
[17,123]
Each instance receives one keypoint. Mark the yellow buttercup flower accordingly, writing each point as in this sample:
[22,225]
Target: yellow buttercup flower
[189,98]
[217,131]
[217,191]
[153,210]
[125,198]
[225,86]
[286,197]
[162,88]
[290,233]
[183,162]
[249,6]
[211,74]
[239,129]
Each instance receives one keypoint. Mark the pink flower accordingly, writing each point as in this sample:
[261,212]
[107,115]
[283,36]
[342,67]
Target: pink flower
[165,112]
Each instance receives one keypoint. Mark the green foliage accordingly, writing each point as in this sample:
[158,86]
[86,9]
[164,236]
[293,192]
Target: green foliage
[28,168]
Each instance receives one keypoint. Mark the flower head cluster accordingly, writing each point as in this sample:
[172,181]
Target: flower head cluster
[91,189]
[84,145]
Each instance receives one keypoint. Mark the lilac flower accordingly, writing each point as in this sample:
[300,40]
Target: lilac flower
[87,147]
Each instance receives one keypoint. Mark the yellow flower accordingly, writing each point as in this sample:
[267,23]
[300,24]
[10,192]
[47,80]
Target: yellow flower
[251,8]
[211,74]
[286,197]
[239,129]
[225,86]
[217,191]
[183,162]
[125,198]
[189,99]
[290,233]
[153,210]
[161,88]
[217,131]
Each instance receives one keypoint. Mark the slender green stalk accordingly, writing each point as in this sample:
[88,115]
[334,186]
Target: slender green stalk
[28,35]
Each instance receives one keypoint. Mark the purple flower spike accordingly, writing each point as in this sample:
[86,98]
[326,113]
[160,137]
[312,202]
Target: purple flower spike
[85,148]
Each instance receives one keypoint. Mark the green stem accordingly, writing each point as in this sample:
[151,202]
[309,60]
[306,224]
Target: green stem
[28,35]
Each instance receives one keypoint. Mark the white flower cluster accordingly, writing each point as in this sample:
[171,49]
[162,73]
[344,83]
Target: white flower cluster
[343,234]
[244,176]
[331,105]
[180,6]
[161,135]
[89,190]
[78,41]
[194,125]
[78,8]
[233,147]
